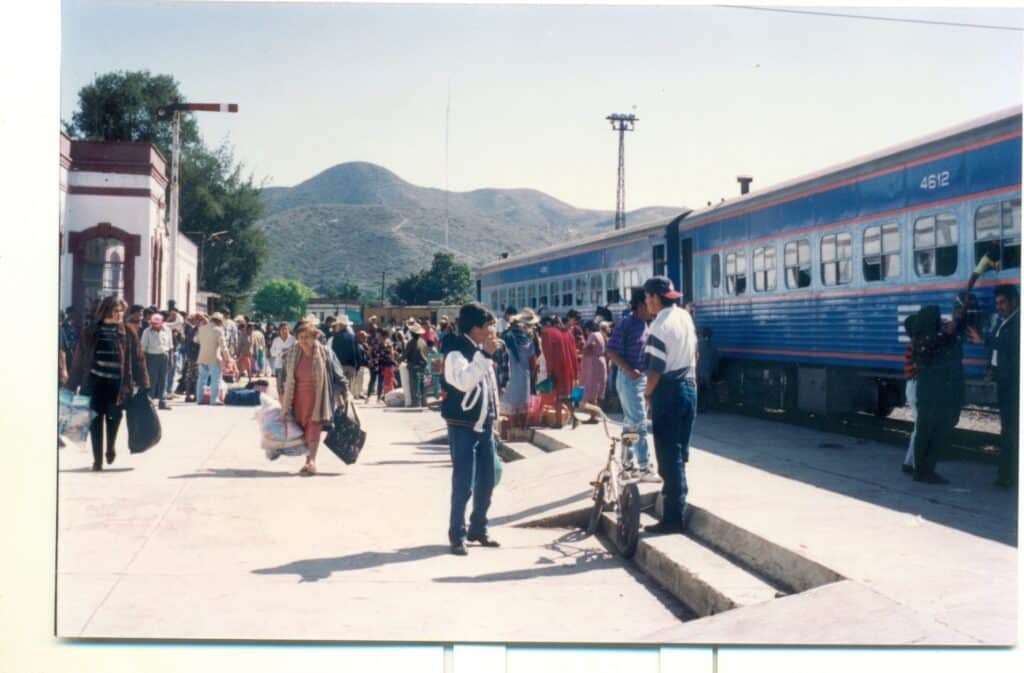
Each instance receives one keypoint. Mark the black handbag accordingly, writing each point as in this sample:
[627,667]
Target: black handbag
[143,422]
[347,437]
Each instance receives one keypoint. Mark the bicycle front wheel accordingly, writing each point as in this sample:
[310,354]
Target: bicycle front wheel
[629,520]
[595,513]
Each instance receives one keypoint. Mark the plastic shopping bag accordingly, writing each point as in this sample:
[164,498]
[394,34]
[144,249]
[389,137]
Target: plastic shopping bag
[74,416]
[279,435]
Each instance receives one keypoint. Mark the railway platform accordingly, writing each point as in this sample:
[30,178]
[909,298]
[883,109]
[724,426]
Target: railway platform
[795,537]
[898,562]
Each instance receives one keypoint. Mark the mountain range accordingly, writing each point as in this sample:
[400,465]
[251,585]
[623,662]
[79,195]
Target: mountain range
[356,220]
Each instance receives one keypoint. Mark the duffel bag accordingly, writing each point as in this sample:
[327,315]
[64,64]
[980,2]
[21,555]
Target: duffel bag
[242,398]
[347,437]
[143,422]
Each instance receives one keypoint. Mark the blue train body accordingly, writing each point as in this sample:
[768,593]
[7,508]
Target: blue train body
[805,285]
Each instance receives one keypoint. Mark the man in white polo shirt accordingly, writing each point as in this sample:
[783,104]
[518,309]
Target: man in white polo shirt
[670,360]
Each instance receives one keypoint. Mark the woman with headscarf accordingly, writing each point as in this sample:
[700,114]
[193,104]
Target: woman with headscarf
[108,364]
[593,368]
[309,397]
[521,352]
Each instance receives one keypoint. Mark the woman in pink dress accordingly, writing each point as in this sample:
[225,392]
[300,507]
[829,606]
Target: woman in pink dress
[307,390]
[593,368]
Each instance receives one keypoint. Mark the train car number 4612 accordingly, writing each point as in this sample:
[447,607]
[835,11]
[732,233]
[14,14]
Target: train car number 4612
[935,180]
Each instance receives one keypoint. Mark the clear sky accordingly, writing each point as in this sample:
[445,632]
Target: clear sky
[718,91]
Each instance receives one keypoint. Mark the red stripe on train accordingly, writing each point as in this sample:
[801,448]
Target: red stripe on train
[850,181]
[878,216]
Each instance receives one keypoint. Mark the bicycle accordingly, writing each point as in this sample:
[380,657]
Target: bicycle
[614,487]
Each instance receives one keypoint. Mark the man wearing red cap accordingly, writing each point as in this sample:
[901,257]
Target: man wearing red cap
[670,356]
[157,343]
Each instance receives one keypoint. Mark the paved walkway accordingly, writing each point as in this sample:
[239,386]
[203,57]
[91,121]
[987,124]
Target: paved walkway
[204,538]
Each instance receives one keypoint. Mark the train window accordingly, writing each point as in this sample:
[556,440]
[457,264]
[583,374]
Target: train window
[797,260]
[764,269]
[736,273]
[634,279]
[502,299]
[531,295]
[581,290]
[836,259]
[521,297]
[716,270]
[555,297]
[935,245]
[494,300]
[882,252]
[659,259]
[997,233]
[542,294]
[596,289]
[611,287]
[567,292]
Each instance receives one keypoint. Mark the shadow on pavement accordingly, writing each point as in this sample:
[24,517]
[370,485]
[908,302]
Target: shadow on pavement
[229,473]
[870,472]
[105,469]
[314,570]
[409,462]
[538,509]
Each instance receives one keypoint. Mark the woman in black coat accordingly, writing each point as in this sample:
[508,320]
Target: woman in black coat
[108,365]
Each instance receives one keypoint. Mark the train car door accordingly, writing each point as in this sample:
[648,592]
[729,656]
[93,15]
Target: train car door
[686,269]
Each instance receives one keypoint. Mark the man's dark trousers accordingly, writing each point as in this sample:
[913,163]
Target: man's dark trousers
[472,475]
[673,408]
[1009,422]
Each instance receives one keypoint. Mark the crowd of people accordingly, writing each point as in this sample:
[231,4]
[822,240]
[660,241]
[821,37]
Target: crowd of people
[651,360]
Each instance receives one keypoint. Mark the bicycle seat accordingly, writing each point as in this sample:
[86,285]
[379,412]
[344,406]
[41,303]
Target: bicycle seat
[630,437]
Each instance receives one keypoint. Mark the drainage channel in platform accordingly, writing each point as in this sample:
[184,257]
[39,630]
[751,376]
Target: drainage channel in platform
[714,566]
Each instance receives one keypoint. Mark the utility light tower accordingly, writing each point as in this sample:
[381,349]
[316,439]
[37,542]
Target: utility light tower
[621,123]
[175,110]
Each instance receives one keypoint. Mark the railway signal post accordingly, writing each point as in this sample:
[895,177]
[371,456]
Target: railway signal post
[175,110]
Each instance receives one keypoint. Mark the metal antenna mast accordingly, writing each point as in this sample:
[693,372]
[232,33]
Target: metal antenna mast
[621,123]
[447,116]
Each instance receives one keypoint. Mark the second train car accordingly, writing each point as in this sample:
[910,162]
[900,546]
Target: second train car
[805,285]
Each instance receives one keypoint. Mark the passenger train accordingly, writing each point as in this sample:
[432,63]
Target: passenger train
[805,285]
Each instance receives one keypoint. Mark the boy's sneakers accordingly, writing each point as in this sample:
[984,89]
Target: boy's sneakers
[648,476]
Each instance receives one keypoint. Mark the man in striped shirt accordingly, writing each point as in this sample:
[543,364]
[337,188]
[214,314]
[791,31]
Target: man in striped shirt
[670,356]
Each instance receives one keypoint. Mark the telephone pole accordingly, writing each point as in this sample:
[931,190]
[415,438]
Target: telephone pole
[621,123]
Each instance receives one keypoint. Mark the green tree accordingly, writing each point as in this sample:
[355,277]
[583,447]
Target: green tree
[344,290]
[122,106]
[447,280]
[215,198]
[214,194]
[282,299]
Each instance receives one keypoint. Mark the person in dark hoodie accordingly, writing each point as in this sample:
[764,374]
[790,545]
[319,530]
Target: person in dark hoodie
[935,360]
